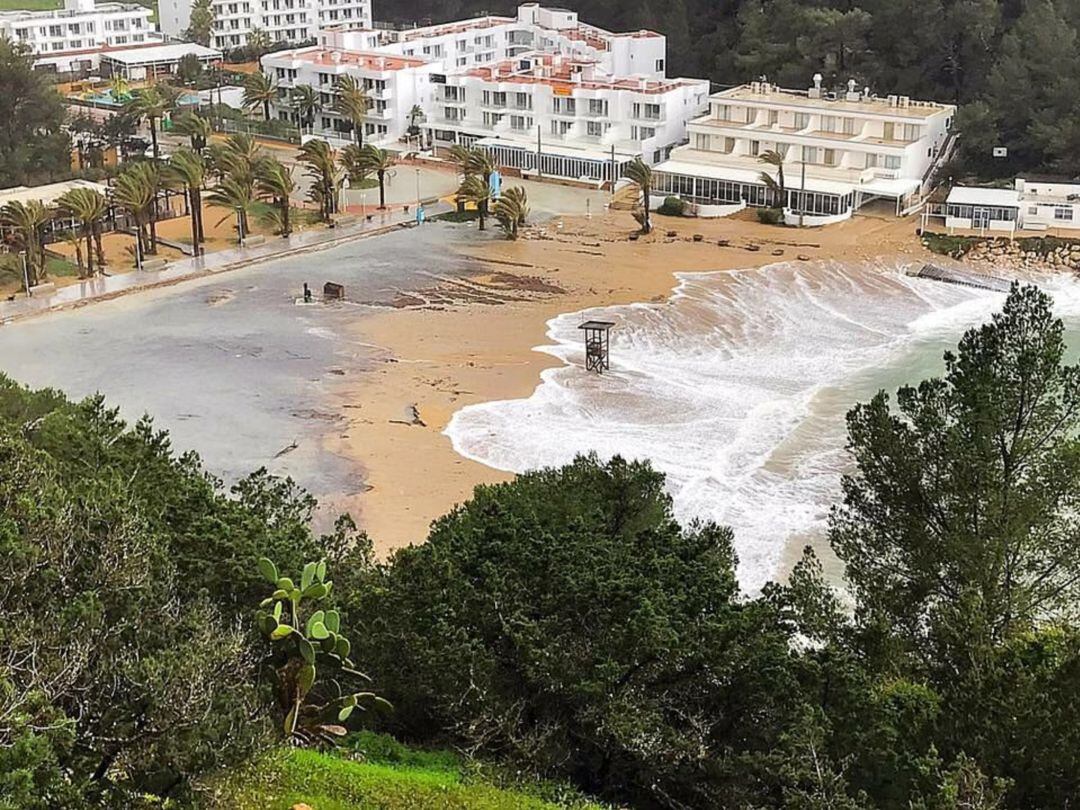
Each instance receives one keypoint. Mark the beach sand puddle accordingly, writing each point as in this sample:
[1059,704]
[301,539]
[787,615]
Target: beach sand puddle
[736,388]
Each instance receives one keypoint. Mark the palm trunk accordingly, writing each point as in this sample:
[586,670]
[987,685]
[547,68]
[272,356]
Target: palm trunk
[197,208]
[286,228]
[193,211]
[266,110]
[382,189]
[98,246]
[153,137]
[90,251]
[358,128]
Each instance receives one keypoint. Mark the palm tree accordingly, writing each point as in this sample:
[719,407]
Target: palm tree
[325,177]
[351,160]
[152,104]
[777,186]
[352,101]
[237,193]
[259,91]
[481,165]
[119,88]
[195,127]
[235,155]
[27,221]
[89,208]
[258,42]
[275,181]
[461,156]
[511,209]
[476,191]
[306,102]
[186,169]
[415,114]
[379,161]
[136,190]
[639,173]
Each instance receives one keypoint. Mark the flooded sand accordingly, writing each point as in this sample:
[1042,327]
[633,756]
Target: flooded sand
[232,366]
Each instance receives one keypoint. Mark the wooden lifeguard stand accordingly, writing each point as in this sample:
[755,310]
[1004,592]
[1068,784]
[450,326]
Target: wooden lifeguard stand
[597,345]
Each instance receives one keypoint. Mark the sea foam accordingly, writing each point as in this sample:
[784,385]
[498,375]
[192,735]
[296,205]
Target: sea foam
[736,388]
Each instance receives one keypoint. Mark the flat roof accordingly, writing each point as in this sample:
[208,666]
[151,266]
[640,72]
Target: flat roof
[974,195]
[330,57]
[771,94]
[47,194]
[162,53]
[560,73]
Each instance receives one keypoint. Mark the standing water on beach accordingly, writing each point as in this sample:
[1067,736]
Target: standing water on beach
[737,387]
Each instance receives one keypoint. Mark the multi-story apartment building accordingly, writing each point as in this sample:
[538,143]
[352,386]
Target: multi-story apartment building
[73,38]
[840,151]
[394,84]
[549,114]
[282,20]
[542,91]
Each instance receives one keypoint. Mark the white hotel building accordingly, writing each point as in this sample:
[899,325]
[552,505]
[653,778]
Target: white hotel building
[282,20]
[73,38]
[543,92]
[841,152]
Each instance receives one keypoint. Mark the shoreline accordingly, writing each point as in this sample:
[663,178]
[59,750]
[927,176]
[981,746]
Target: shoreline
[477,343]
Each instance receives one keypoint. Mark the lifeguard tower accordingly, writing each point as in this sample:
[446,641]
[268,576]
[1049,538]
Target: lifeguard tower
[597,345]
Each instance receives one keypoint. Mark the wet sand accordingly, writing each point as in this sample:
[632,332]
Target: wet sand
[463,342]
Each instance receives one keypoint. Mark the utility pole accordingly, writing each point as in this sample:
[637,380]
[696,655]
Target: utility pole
[613,170]
[802,207]
[539,149]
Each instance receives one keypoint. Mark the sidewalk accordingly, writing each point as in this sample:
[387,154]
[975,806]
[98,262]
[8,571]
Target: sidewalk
[108,287]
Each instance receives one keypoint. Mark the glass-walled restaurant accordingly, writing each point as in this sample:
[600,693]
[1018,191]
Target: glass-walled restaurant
[710,191]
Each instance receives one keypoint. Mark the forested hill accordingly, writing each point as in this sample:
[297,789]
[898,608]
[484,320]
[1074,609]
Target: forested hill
[1013,65]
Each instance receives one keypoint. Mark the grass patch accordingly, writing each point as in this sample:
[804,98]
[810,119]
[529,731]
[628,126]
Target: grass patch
[60,267]
[456,216]
[947,245]
[386,776]
[30,5]
[367,182]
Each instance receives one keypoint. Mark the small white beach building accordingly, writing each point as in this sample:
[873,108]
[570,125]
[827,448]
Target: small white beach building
[1031,205]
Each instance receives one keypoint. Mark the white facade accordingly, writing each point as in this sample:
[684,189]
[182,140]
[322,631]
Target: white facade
[1031,205]
[555,115]
[74,37]
[542,91]
[394,85]
[851,149]
[282,20]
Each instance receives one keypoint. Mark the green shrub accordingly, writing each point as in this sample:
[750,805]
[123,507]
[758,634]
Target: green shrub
[672,207]
[771,216]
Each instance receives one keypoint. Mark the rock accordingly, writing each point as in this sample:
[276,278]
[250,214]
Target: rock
[698,237]
[802,257]
[672,234]
[753,248]
[778,252]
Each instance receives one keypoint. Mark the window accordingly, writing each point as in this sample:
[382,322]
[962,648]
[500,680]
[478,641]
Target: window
[520,123]
[755,147]
[701,142]
[598,106]
[802,120]
[596,129]
[1063,214]
[851,126]
[774,118]
[659,65]
[828,123]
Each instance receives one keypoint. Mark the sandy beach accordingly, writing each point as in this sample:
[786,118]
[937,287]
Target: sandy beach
[467,342]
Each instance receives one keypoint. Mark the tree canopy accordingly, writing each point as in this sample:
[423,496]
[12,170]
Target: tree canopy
[33,147]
